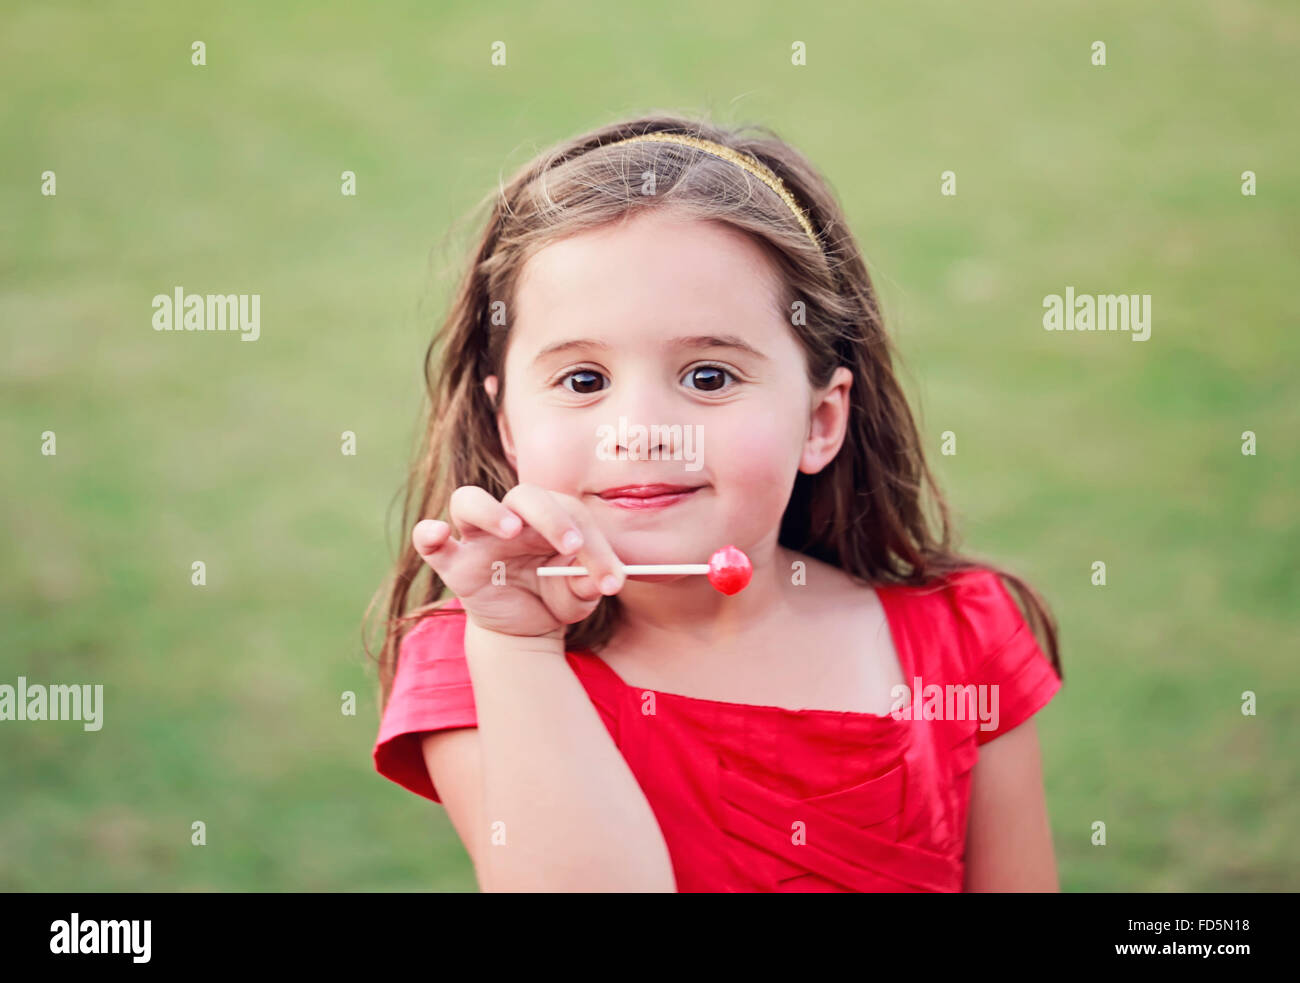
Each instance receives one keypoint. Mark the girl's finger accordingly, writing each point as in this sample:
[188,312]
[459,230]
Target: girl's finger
[432,540]
[569,599]
[604,569]
[472,508]
[583,588]
[557,517]
[543,512]
[568,605]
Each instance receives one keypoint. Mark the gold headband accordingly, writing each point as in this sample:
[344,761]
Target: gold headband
[750,164]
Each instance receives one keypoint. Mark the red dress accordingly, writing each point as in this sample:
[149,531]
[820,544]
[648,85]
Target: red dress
[762,798]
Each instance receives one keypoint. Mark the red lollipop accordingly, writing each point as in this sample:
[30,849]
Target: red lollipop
[730,570]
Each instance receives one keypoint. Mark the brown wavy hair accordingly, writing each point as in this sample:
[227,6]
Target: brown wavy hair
[865,512]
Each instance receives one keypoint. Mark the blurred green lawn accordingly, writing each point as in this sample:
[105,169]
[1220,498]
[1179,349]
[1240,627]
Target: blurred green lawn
[222,703]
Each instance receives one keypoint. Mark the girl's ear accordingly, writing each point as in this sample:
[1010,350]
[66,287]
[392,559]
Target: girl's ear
[828,422]
[503,428]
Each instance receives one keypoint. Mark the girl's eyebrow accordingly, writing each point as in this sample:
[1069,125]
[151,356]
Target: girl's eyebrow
[691,341]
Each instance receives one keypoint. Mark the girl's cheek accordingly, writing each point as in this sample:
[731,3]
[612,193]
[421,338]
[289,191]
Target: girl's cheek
[757,454]
[554,455]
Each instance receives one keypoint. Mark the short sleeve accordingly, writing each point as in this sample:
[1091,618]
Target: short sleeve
[431,691]
[1003,654]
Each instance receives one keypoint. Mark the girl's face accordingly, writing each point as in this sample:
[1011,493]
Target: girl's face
[653,351]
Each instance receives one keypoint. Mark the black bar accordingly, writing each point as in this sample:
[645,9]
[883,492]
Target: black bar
[375,932]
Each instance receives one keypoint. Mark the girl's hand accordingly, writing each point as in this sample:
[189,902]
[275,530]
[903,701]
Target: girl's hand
[529,528]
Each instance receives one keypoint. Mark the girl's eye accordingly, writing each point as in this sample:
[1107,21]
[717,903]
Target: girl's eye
[707,378]
[587,381]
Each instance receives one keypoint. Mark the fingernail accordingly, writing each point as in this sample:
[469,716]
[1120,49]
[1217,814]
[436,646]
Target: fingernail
[510,525]
[572,541]
[609,584]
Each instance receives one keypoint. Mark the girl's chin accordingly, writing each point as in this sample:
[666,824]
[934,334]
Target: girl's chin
[659,546]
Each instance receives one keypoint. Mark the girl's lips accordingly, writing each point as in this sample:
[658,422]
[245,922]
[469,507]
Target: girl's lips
[643,502]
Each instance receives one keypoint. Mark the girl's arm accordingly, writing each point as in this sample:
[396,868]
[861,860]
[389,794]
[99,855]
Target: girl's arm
[543,765]
[1008,839]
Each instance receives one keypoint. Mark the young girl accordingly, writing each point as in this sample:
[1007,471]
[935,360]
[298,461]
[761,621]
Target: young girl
[667,342]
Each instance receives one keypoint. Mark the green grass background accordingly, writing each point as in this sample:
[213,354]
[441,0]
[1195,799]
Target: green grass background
[222,703]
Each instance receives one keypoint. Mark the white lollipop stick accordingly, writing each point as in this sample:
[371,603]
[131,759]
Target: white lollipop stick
[629,569]
[728,569]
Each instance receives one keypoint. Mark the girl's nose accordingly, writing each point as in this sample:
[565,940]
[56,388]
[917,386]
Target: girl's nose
[649,420]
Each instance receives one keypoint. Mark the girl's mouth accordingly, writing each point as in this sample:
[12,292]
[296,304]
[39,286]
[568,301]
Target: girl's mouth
[643,497]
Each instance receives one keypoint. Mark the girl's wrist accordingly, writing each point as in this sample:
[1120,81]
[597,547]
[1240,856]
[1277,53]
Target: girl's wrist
[479,640]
